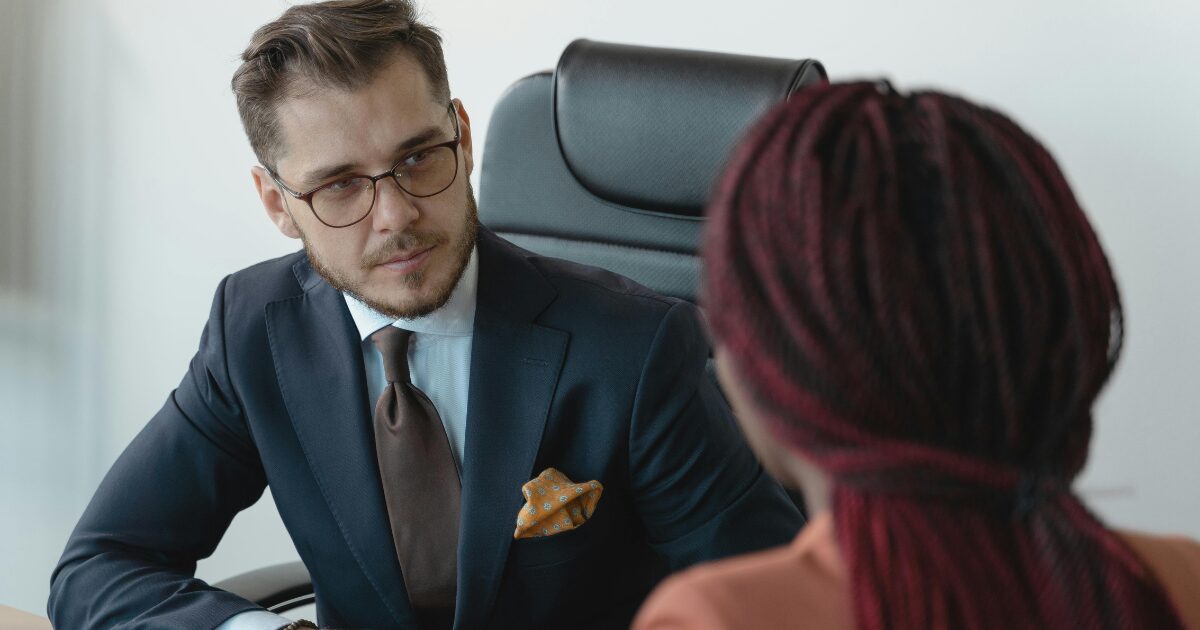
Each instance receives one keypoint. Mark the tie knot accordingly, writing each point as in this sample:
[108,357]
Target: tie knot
[392,343]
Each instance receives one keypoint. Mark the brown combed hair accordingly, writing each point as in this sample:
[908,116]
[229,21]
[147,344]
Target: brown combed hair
[918,305]
[340,44]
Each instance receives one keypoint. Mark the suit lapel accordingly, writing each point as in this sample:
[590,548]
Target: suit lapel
[313,340]
[515,365]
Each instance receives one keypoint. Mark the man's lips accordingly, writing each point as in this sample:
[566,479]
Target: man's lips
[407,261]
[405,257]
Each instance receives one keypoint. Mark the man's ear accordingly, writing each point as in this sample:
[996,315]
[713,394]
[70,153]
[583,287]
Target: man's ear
[273,202]
[464,131]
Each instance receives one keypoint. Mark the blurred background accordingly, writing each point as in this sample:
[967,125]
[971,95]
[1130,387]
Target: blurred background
[125,196]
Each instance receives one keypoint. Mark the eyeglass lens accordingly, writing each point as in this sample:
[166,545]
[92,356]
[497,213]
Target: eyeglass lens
[422,174]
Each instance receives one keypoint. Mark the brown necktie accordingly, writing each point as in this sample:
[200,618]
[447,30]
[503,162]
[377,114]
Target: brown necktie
[420,481]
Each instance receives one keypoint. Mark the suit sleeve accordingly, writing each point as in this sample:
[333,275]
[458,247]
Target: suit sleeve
[165,504]
[698,488]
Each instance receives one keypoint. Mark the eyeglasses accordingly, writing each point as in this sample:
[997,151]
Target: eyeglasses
[348,200]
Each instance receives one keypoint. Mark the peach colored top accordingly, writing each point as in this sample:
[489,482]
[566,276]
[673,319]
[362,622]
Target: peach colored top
[13,619]
[807,581]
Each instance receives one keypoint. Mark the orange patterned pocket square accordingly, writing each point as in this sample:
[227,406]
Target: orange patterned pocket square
[555,504]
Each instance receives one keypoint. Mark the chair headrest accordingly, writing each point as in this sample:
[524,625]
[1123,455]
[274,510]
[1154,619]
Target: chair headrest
[609,161]
[651,128]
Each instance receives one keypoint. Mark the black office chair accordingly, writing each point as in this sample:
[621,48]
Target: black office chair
[278,588]
[608,160]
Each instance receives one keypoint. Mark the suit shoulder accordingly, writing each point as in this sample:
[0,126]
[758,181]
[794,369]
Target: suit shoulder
[601,289]
[264,282]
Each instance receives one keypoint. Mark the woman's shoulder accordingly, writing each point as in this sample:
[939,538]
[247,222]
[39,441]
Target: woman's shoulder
[1175,562]
[800,585]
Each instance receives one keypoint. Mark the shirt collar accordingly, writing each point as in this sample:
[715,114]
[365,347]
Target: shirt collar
[455,318]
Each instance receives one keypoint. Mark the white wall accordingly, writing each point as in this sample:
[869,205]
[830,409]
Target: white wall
[146,203]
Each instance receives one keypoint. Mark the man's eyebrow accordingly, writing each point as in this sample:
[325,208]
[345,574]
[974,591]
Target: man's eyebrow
[317,176]
[426,135]
[314,178]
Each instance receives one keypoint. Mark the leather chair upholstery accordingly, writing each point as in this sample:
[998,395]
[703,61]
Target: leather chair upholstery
[609,160]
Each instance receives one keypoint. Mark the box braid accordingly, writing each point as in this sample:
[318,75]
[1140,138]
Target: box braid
[918,305]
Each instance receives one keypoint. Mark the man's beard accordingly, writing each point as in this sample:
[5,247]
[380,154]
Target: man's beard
[408,241]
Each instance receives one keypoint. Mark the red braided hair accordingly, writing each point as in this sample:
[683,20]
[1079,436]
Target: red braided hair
[918,304]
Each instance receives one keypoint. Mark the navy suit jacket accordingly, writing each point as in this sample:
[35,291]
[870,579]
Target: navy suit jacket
[571,367]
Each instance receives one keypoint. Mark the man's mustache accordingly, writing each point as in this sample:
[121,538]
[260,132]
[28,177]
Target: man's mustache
[397,243]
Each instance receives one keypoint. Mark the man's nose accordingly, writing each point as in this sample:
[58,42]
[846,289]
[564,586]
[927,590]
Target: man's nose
[394,209]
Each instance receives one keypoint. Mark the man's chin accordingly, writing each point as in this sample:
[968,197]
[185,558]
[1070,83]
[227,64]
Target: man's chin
[409,305]
[414,294]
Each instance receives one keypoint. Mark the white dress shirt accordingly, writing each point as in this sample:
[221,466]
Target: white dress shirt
[439,364]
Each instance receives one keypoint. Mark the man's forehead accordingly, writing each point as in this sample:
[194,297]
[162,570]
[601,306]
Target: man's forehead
[329,123]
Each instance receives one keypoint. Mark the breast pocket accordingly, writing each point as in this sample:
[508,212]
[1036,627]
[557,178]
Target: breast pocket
[593,535]
[561,548]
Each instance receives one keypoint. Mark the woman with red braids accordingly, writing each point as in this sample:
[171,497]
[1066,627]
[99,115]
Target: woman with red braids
[912,319]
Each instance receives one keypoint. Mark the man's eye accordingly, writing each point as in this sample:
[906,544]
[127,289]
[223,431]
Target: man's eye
[416,159]
[342,184]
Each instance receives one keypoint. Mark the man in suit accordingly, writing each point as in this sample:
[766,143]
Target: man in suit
[415,389]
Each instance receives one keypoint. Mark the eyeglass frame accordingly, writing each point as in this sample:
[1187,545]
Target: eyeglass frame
[306,197]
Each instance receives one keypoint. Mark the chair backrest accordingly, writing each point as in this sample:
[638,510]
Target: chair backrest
[609,160]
